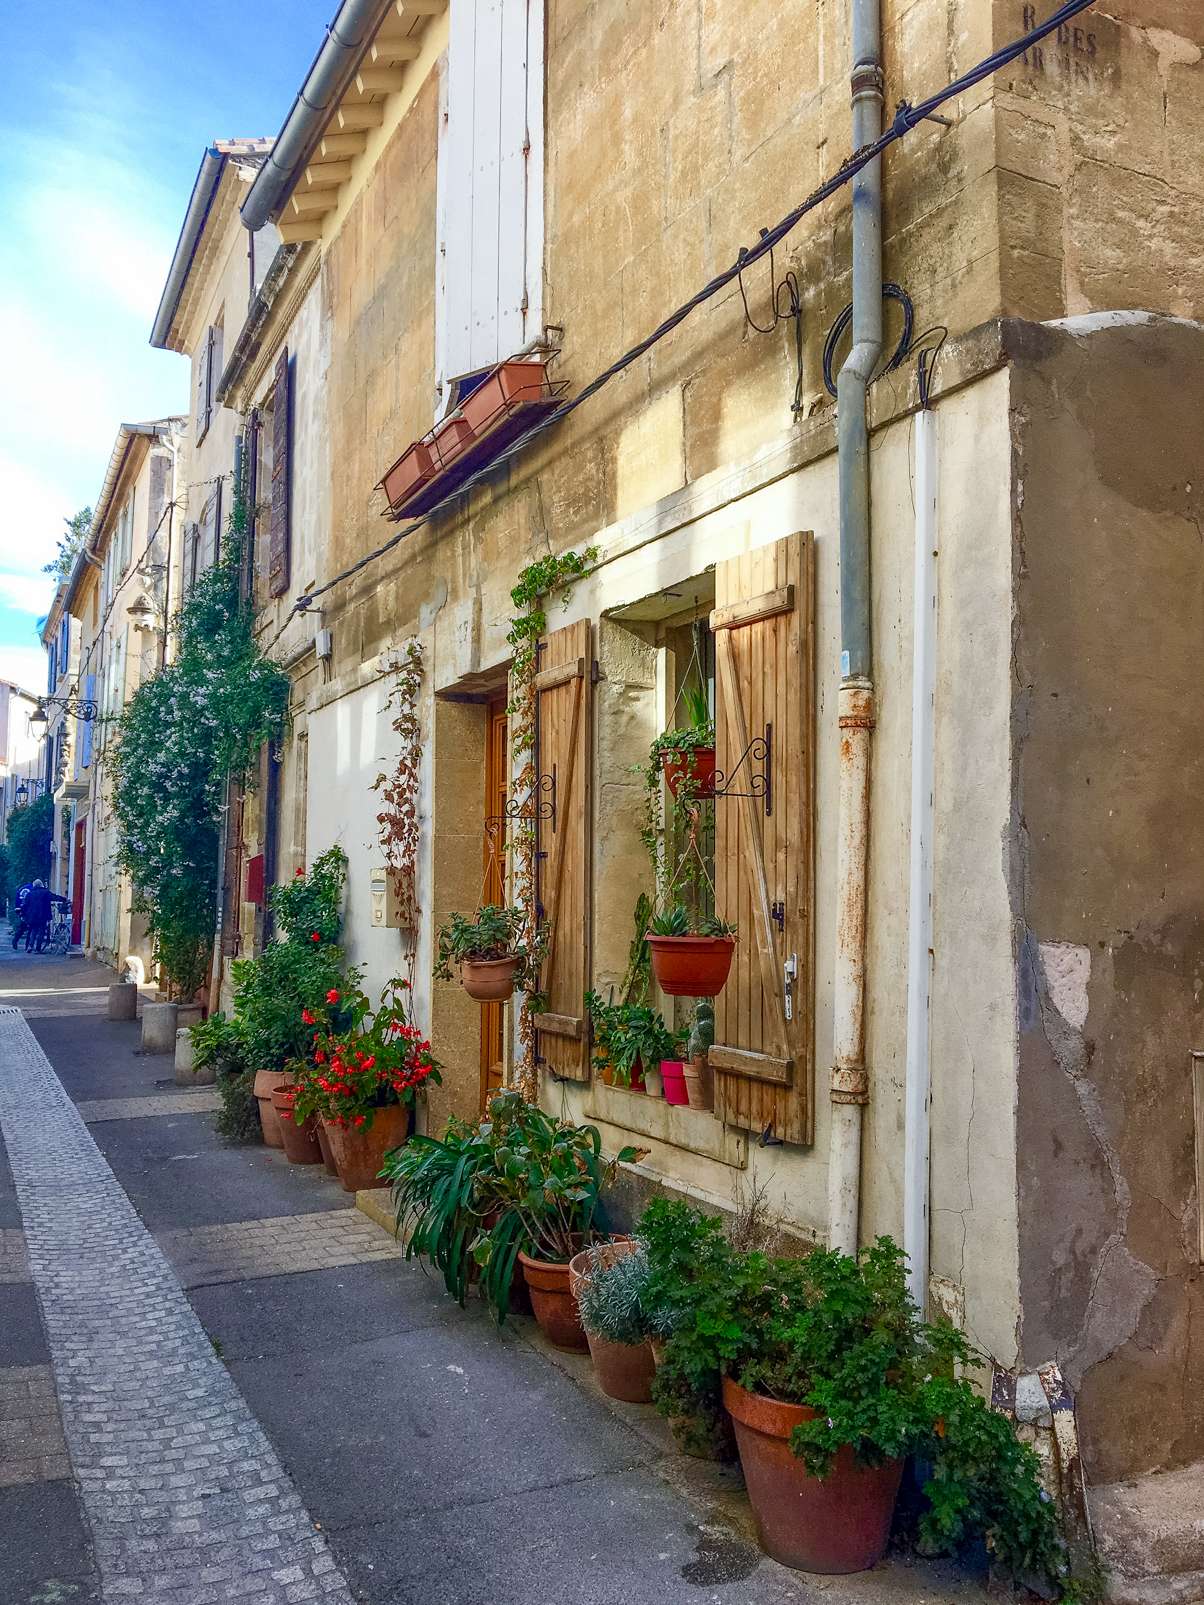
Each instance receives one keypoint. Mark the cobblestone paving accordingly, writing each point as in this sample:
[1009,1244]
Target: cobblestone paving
[14,1262]
[204,1102]
[32,1448]
[186,1499]
[203,1255]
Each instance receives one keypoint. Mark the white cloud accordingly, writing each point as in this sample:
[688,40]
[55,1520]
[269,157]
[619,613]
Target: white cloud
[27,593]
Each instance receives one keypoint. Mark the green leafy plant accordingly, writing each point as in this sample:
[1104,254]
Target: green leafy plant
[397,822]
[364,1060]
[681,921]
[613,1299]
[219,1045]
[495,933]
[30,828]
[629,1034]
[198,722]
[441,1199]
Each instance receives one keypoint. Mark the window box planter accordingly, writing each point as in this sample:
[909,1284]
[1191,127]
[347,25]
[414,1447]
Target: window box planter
[451,438]
[697,766]
[410,472]
[509,383]
[691,966]
[837,1524]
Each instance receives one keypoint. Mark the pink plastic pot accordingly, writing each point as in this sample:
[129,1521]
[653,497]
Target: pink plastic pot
[673,1079]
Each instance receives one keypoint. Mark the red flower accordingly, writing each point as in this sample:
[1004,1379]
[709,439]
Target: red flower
[315,936]
[369,1061]
[307,1018]
[359,1120]
[320,1058]
[332,996]
[298,874]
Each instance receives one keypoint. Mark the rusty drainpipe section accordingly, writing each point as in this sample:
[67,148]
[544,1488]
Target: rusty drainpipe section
[850,1076]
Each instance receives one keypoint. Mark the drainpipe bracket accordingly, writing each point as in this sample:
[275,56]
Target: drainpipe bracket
[856,706]
[850,1084]
[867,78]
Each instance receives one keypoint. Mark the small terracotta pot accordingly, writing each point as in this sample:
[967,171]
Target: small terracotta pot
[509,383]
[489,980]
[359,1151]
[624,1370]
[700,1084]
[324,1145]
[673,1075]
[837,1524]
[300,1142]
[696,765]
[266,1082]
[691,966]
[553,1302]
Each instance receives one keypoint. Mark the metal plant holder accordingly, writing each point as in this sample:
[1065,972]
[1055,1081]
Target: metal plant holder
[758,756]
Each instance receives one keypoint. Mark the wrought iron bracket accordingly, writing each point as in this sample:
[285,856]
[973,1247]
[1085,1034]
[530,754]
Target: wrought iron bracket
[540,804]
[758,755]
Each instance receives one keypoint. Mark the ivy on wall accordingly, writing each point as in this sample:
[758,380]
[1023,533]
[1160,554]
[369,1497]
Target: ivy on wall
[195,724]
[535,584]
[397,821]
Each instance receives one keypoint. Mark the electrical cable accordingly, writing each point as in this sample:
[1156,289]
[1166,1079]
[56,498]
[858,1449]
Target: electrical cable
[905,119]
[793,309]
[890,292]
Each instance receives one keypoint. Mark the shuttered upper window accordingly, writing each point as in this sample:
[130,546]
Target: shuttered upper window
[207,373]
[490,180]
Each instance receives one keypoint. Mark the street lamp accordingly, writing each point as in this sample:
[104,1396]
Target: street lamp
[73,708]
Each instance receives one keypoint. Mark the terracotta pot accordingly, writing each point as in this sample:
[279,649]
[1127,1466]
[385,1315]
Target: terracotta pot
[624,1370]
[450,439]
[509,383]
[359,1151]
[691,966]
[840,1523]
[673,1075]
[696,765]
[409,473]
[300,1142]
[553,1302]
[266,1082]
[489,980]
[324,1144]
[700,1084]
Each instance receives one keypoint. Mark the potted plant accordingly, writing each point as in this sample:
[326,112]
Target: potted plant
[686,755]
[441,1196]
[365,1069]
[691,955]
[699,1077]
[545,1186]
[300,1139]
[610,1284]
[489,953]
[629,1038]
[220,1045]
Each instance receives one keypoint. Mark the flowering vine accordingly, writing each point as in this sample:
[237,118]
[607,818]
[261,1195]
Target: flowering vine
[535,583]
[397,822]
[192,726]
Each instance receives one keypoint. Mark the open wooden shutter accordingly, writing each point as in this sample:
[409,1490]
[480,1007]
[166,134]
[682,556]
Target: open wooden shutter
[278,551]
[764,691]
[565,754]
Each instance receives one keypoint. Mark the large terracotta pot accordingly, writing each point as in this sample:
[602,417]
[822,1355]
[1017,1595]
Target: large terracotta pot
[697,765]
[489,980]
[266,1082]
[300,1142]
[840,1523]
[359,1151]
[624,1370]
[324,1144]
[553,1302]
[691,966]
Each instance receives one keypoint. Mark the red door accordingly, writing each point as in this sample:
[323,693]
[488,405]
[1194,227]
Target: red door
[77,885]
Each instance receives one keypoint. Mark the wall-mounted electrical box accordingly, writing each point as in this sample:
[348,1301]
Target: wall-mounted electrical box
[385,903]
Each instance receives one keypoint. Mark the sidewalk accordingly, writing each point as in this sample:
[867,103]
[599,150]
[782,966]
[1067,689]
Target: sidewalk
[338,1428]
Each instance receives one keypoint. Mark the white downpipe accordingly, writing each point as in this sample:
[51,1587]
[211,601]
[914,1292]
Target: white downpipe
[919,922]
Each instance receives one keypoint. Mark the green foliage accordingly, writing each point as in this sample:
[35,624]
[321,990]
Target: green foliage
[75,533]
[30,828]
[6,875]
[440,1191]
[629,1034]
[195,724]
[311,905]
[495,933]
[219,1044]
[613,1300]
[535,583]
[365,1059]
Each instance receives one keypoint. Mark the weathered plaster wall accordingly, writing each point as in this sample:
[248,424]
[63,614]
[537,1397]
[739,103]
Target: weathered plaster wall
[1108,877]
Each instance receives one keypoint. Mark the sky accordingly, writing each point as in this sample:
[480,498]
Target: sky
[106,107]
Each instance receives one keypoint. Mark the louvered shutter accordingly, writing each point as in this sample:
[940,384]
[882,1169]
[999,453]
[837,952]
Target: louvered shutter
[251,480]
[278,552]
[563,687]
[764,654]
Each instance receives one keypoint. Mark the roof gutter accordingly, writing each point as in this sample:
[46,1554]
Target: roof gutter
[347,37]
[203,192]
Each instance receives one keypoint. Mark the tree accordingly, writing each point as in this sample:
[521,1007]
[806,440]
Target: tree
[75,533]
[29,832]
[6,876]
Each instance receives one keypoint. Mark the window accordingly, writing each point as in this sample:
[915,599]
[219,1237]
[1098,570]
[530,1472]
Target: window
[490,183]
[52,668]
[207,373]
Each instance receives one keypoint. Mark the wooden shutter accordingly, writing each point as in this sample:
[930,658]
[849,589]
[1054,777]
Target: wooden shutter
[563,685]
[278,552]
[251,481]
[764,690]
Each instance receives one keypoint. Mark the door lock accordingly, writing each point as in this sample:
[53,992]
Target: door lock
[790,973]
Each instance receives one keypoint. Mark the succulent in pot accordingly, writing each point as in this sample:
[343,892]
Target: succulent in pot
[691,955]
[489,953]
[610,1282]
[686,755]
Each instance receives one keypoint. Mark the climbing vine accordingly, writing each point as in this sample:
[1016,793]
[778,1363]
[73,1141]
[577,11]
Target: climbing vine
[397,821]
[535,584]
[195,724]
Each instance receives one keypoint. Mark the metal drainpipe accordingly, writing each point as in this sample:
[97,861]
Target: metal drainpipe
[850,1078]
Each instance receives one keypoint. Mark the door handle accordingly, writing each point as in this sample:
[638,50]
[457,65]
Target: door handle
[790,975]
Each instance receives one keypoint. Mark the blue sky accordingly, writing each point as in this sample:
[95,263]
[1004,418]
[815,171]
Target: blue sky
[105,109]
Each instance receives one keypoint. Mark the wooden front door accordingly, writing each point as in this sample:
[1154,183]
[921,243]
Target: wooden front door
[497,793]
[77,885]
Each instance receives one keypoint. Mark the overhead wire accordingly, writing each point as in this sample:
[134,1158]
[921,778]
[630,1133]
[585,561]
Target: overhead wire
[906,118]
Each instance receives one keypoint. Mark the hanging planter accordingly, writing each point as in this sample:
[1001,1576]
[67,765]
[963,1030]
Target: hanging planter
[487,953]
[690,964]
[489,980]
[690,772]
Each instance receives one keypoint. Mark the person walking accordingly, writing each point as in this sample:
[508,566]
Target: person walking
[19,897]
[36,913]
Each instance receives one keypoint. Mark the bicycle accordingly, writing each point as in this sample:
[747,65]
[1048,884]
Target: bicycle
[58,937]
